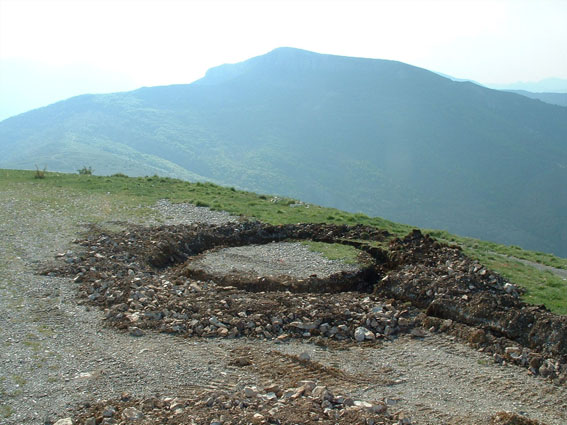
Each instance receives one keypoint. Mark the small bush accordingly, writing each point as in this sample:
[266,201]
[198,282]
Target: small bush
[202,204]
[121,175]
[40,174]
[85,171]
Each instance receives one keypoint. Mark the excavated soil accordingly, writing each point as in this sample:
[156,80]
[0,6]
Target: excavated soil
[230,281]
[236,323]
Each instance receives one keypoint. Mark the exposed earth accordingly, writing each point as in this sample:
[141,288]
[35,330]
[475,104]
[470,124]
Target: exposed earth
[207,319]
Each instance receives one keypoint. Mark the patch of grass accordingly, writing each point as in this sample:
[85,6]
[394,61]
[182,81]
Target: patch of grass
[335,251]
[477,247]
[542,287]
[19,380]
[45,330]
[6,411]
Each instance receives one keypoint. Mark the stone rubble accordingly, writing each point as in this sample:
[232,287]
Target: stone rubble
[143,280]
[268,405]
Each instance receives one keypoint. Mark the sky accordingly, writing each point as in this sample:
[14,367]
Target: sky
[54,49]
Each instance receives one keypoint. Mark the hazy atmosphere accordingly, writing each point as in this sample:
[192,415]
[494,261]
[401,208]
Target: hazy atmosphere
[52,50]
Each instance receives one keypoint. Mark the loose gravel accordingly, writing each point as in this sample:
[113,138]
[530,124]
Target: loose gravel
[274,259]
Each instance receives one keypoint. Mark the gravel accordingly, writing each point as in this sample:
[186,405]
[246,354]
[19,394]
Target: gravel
[188,214]
[274,259]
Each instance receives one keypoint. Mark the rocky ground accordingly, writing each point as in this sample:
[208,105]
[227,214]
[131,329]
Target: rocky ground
[132,321]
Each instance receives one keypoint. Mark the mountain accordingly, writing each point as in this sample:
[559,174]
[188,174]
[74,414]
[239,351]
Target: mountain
[548,85]
[553,98]
[559,98]
[375,136]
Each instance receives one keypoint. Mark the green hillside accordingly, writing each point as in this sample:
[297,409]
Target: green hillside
[135,195]
[376,136]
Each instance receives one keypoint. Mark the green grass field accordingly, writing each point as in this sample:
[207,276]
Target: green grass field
[135,194]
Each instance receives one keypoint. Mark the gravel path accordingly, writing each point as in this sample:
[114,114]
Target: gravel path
[55,354]
[559,272]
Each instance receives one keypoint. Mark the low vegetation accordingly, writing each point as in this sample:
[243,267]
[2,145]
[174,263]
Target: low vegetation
[40,174]
[85,171]
[542,287]
[335,251]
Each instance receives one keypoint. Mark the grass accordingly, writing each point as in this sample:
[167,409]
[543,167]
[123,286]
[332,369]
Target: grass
[476,247]
[6,411]
[135,195]
[542,287]
[335,251]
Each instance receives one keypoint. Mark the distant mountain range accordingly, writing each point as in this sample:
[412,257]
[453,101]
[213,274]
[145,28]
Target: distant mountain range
[550,90]
[375,136]
[552,98]
[548,85]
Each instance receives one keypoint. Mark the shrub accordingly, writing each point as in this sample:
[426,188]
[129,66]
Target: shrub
[121,175]
[85,171]
[40,174]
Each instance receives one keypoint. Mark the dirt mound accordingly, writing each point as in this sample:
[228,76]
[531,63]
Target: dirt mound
[448,285]
[505,418]
[307,403]
[142,278]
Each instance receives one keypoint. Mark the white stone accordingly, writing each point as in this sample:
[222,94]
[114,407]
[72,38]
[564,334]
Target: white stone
[250,392]
[360,333]
[132,414]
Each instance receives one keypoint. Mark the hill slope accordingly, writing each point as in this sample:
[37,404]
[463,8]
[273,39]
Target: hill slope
[377,136]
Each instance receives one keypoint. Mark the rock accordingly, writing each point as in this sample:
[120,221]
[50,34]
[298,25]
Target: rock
[378,408]
[513,352]
[135,331]
[66,421]
[304,326]
[360,334]
[269,396]
[257,418]
[90,421]
[289,393]
[132,414]
[304,356]
[509,288]
[544,371]
[109,411]
[250,392]
[216,322]
[308,386]
[322,393]
[273,388]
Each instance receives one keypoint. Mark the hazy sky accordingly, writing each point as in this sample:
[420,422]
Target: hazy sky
[53,49]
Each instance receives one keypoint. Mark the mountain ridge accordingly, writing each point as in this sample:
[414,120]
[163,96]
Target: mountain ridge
[372,135]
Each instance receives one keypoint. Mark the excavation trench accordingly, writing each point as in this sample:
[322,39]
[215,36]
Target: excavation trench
[149,278]
[185,249]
